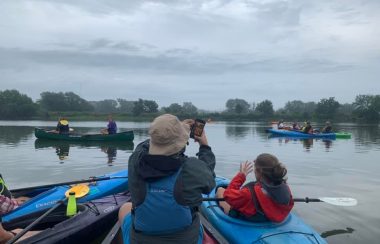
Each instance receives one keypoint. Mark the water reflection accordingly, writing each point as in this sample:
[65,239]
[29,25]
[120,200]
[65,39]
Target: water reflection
[141,133]
[307,143]
[62,148]
[111,152]
[62,151]
[237,131]
[367,136]
[14,134]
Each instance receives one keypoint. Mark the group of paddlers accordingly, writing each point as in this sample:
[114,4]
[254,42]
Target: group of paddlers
[306,128]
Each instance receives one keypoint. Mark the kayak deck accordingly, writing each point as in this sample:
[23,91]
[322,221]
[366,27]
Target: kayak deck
[47,198]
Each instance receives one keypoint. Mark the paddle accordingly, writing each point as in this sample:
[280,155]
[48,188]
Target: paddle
[80,192]
[71,183]
[337,201]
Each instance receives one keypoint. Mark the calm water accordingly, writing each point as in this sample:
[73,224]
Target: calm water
[339,168]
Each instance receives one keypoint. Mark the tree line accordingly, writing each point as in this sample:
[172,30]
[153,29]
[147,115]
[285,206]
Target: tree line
[14,105]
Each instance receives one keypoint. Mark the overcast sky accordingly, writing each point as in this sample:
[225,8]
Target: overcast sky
[200,51]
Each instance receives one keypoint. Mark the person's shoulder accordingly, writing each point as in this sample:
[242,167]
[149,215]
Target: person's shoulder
[194,163]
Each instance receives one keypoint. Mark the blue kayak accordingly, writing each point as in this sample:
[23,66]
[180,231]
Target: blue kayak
[291,230]
[298,134]
[47,198]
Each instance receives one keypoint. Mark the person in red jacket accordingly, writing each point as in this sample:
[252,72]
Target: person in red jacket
[267,199]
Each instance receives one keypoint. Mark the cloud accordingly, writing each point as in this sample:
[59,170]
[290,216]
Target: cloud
[175,61]
[185,48]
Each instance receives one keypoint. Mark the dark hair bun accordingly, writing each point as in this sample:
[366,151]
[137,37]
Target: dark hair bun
[271,168]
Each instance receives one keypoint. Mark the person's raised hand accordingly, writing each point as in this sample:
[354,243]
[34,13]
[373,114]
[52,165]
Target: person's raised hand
[246,167]
[202,140]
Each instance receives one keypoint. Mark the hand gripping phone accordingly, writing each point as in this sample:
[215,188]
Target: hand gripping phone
[197,128]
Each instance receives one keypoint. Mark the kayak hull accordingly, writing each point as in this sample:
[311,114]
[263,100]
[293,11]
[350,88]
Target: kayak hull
[289,133]
[122,136]
[291,230]
[343,135]
[91,222]
[47,197]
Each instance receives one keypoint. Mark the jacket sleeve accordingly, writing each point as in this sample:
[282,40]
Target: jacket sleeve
[236,197]
[206,155]
[135,184]
[198,177]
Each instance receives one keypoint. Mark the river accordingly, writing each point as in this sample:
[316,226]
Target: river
[316,168]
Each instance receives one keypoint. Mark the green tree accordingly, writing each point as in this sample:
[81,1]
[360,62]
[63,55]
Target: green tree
[265,108]
[125,106]
[345,111]
[105,106]
[150,106]
[299,110]
[326,108]
[138,107]
[294,108]
[238,106]
[52,101]
[14,105]
[60,101]
[189,109]
[367,107]
[76,103]
[173,108]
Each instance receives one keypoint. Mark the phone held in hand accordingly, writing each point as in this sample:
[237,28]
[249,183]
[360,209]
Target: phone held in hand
[197,128]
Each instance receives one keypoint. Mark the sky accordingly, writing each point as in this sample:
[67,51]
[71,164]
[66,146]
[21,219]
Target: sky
[205,52]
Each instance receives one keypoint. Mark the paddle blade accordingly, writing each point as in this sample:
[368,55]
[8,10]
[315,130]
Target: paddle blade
[80,190]
[340,201]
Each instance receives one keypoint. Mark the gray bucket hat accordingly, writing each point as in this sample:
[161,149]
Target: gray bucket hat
[168,135]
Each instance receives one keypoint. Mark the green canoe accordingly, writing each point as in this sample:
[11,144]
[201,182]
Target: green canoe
[343,135]
[122,136]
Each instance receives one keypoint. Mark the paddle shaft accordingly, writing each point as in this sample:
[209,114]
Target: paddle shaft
[70,183]
[306,199]
[34,223]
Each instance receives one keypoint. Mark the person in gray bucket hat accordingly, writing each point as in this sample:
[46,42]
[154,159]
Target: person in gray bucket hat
[166,185]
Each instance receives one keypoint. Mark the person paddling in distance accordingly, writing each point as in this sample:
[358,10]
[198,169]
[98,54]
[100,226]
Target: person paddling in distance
[62,126]
[308,129]
[327,128]
[267,199]
[166,186]
[111,126]
[280,124]
[295,126]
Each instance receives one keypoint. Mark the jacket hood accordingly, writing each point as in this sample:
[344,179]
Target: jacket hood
[154,167]
[279,193]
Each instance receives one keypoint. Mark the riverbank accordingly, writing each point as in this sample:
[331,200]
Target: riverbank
[147,117]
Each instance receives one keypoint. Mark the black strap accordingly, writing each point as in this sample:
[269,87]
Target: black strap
[259,216]
[251,188]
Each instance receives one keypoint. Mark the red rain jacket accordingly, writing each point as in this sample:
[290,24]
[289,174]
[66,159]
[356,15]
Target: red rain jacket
[241,200]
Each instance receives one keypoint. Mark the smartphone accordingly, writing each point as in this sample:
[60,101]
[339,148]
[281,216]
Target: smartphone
[197,128]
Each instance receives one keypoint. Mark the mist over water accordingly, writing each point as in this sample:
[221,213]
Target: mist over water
[316,168]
